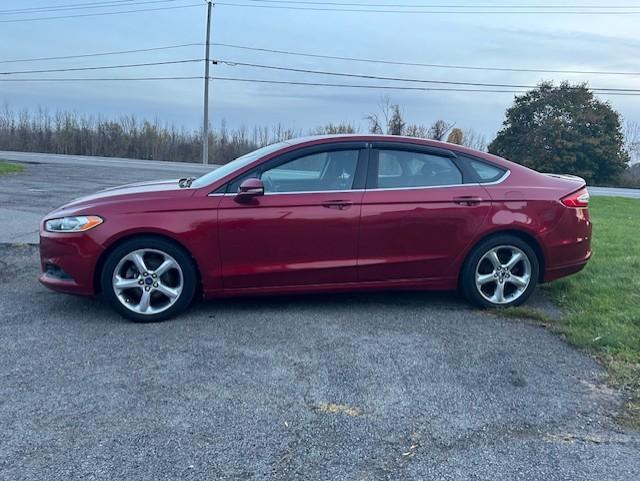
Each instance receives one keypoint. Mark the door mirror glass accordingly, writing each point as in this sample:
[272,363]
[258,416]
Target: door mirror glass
[249,189]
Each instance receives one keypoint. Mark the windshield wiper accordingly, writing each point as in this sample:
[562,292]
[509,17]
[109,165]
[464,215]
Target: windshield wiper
[186,182]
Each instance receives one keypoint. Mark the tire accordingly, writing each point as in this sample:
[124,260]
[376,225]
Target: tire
[148,279]
[504,280]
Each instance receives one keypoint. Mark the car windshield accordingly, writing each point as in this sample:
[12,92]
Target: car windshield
[236,164]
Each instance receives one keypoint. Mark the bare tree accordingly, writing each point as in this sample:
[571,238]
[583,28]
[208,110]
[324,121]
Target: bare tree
[334,129]
[415,130]
[381,118]
[632,141]
[474,140]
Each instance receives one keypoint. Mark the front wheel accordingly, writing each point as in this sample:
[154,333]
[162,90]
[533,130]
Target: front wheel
[147,279]
[501,271]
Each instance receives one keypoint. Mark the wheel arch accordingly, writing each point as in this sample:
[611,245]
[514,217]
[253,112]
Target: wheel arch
[522,235]
[97,271]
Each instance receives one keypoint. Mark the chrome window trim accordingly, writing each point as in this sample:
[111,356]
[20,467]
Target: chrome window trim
[316,192]
[449,186]
[424,187]
[298,193]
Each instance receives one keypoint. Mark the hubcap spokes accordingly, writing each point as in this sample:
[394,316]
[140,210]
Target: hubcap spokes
[148,281]
[503,274]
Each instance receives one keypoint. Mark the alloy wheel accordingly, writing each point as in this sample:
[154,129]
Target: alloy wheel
[503,274]
[148,281]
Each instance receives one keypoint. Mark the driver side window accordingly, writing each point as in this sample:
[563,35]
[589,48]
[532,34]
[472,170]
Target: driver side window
[319,172]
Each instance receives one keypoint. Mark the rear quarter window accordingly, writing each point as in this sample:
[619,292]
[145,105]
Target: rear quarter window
[484,171]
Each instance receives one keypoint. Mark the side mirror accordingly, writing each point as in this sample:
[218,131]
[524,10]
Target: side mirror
[249,189]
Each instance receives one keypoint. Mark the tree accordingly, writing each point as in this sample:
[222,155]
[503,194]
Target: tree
[396,123]
[632,141]
[333,129]
[456,137]
[439,129]
[563,129]
[375,122]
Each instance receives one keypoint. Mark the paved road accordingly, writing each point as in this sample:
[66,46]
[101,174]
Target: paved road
[615,192]
[84,160]
[361,387]
[52,180]
[375,386]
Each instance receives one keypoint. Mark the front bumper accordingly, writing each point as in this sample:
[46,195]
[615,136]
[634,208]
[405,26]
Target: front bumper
[68,262]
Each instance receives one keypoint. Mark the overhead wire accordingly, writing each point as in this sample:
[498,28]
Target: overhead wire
[394,79]
[101,14]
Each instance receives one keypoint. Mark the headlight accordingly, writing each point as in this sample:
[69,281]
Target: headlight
[80,223]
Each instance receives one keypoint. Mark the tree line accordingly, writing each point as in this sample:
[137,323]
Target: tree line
[64,132]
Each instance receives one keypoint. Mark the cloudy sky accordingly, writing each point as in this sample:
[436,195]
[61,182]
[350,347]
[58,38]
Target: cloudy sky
[599,42]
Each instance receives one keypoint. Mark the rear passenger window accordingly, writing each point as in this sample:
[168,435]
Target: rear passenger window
[486,172]
[399,169]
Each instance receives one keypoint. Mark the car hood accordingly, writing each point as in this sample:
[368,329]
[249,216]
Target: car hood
[126,193]
[131,189]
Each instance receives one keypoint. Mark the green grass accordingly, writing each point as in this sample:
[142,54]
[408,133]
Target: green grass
[601,305]
[9,168]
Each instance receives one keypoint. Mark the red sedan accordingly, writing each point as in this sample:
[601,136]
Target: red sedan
[329,213]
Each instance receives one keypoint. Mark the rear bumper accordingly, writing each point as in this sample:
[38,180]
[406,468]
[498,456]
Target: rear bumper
[564,271]
[68,262]
[568,245]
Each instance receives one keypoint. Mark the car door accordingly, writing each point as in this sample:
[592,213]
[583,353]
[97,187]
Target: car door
[418,214]
[304,229]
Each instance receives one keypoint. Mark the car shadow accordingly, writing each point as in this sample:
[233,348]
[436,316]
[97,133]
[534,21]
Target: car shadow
[427,300]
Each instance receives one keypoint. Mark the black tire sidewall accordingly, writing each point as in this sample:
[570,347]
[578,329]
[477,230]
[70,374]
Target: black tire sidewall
[467,279]
[185,261]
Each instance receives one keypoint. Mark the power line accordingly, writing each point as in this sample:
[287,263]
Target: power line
[100,54]
[102,67]
[101,14]
[286,82]
[101,79]
[83,7]
[31,9]
[390,87]
[434,12]
[416,64]
[331,57]
[395,79]
[417,5]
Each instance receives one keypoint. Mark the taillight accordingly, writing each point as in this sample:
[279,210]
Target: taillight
[577,200]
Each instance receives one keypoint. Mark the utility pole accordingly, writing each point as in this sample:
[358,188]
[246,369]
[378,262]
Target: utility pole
[205,125]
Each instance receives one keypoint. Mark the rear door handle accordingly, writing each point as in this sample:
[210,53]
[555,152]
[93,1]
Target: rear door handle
[467,200]
[337,204]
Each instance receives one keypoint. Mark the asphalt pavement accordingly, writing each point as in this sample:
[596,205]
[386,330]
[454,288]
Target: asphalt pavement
[384,386]
[362,387]
[50,180]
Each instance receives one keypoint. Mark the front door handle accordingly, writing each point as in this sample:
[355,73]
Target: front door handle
[467,200]
[337,204]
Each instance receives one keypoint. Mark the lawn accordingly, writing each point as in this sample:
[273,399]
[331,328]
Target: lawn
[9,168]
[601,305]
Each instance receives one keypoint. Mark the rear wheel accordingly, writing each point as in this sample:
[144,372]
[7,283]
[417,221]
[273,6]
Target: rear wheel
[501,271]
[147,279]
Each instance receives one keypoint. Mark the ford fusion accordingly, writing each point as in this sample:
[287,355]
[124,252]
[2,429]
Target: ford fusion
[333,213]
